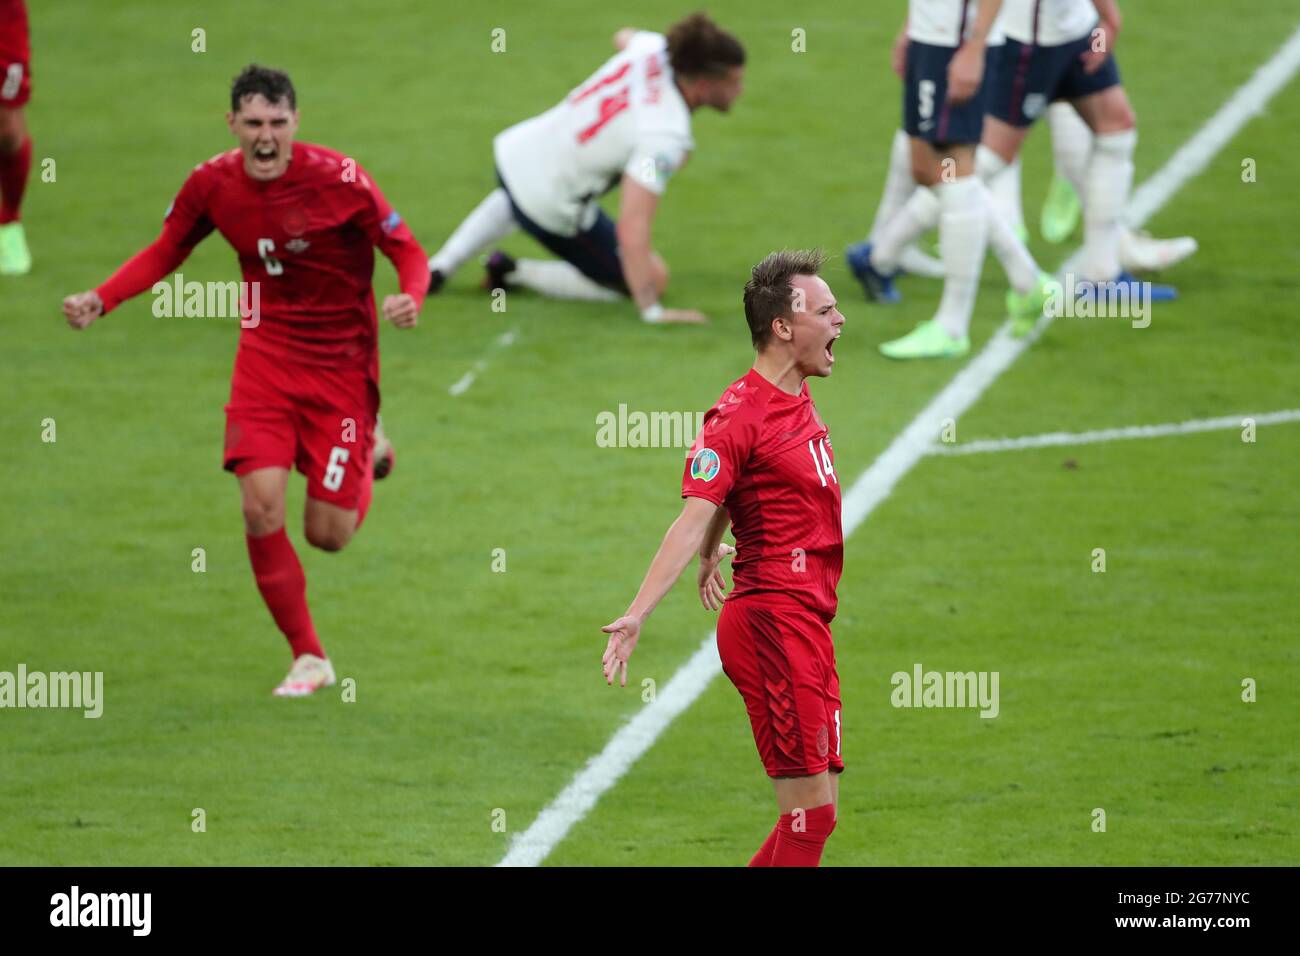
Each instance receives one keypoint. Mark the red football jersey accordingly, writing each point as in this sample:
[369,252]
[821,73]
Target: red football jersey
[307,238]
[15,44]
[766,456]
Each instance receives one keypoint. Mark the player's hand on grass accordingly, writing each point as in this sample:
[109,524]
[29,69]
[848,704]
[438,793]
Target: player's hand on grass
[83,308]
[965,71]
[713,586]
[401,310]
[623,635]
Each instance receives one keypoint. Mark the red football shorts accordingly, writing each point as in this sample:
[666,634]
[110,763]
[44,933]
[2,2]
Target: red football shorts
[15,63]
[780,657]
[317,418]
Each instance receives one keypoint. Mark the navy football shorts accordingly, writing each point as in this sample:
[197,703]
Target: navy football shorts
[1025,78]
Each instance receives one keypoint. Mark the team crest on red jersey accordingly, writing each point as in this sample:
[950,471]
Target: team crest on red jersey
[705,465]
[295,221]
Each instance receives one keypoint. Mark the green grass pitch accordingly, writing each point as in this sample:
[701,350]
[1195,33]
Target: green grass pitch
[478,694]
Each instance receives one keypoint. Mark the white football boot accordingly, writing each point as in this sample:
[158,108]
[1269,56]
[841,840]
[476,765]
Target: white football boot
[1139,252]
[308,675]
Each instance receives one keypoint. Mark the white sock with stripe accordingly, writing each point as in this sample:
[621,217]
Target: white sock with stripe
[1106,190]
[899,183]
[963,236]
[491,221]
[919,213]
[559,280]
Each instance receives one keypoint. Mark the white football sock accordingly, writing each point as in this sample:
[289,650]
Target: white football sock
[1071,143]
[899,183]
[1105,196]
[559,280]
[491,221]
[1013,255]
[918,214]
[1003,182]
[963,234]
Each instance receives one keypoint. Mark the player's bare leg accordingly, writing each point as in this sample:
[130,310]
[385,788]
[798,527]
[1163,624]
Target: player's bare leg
[15,165]
[328,526]
[809,806]
[280,579]
[384,455]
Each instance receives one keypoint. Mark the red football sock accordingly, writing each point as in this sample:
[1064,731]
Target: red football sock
[803,848]
[13,180]
[284,589]
[764,855]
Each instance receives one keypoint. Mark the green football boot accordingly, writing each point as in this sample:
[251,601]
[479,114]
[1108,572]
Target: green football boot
[15,259]
[1061,211]
[1024,310]
[927,340]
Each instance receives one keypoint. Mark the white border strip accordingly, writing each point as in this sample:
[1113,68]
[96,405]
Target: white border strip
[504,340]
[1052,439]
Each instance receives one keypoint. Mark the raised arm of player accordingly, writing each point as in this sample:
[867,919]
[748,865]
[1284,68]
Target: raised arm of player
[644,272]
[966,70]
[185,227]
[395,240]
[684,540]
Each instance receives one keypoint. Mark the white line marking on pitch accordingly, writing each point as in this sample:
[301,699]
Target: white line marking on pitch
[1051,439]
[637,736]
[504,340]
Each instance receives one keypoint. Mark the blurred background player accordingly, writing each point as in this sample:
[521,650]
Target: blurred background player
[942,50]
[304,221]
[1064,50]
[629,123]
[763,463]
[15,143]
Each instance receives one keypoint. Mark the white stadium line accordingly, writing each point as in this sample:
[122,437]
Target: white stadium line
[1052,439]
[502,341]
[635,737]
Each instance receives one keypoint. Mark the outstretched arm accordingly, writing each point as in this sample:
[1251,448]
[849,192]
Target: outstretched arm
[184,228]
[683,541]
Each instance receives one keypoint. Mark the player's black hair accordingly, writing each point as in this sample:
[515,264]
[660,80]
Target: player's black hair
[699,47]
[253,79]
[768,293]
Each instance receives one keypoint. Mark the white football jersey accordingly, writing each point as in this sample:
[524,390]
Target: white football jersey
[626,118]
[1048,22]
[940,22]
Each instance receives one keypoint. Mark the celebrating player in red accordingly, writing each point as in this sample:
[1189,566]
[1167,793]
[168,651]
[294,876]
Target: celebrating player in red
[305,392]
[15,144]
[763,462]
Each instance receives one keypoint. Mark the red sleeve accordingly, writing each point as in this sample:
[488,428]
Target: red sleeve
[395,240]
[720,452]
[184,226]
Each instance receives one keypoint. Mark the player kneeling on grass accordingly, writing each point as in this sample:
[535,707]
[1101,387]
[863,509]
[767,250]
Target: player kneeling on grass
[628,123]
[304,221]
[763,463]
